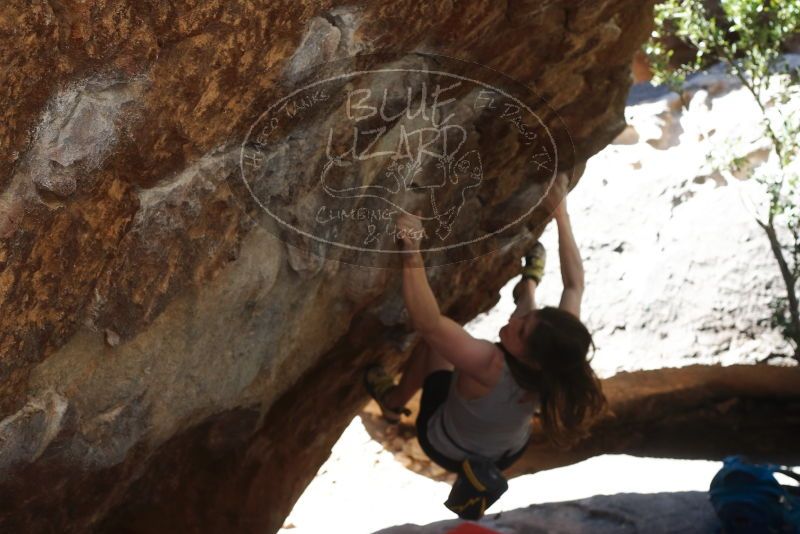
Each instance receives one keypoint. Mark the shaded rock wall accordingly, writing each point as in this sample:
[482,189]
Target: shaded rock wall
[165,362]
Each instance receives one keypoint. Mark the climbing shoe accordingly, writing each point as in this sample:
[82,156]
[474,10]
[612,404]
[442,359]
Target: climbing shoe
[534,263]
[378,384]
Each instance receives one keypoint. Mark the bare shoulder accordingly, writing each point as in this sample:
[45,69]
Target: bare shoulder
[490,375]
[469,354]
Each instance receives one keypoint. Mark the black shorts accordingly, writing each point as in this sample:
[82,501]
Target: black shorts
[434,392]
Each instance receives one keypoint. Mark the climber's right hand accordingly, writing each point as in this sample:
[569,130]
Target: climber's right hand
[409,231]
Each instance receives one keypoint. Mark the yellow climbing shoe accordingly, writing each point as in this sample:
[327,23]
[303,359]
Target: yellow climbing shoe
[378,383]
[534,263]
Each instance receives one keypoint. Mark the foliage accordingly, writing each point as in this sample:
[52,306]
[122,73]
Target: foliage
[747,36]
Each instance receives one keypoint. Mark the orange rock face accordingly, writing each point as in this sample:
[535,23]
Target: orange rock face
[168,363]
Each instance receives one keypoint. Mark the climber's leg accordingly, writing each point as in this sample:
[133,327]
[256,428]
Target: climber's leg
[423,361]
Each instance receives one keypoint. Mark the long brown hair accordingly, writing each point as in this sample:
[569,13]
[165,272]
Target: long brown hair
[569,391]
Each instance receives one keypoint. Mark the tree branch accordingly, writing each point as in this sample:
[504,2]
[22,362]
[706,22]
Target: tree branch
[788,279]
[691,412]
[697,412]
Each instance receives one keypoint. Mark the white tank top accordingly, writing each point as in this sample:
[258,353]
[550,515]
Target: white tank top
[491,426]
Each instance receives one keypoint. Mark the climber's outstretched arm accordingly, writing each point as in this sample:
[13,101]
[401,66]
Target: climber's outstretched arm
[571,264]
[423,310]
[471,355]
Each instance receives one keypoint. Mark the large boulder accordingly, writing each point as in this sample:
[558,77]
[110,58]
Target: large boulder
[171,359]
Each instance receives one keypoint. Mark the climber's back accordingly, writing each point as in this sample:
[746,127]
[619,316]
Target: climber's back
[492,425]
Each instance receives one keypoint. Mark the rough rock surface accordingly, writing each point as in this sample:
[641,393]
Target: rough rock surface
[659,513]
[165,364]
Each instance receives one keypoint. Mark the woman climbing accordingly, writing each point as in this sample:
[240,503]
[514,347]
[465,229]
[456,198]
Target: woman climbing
[478,397]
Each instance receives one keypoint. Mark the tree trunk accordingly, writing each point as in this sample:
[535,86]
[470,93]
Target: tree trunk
[788,280]
[695,412]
